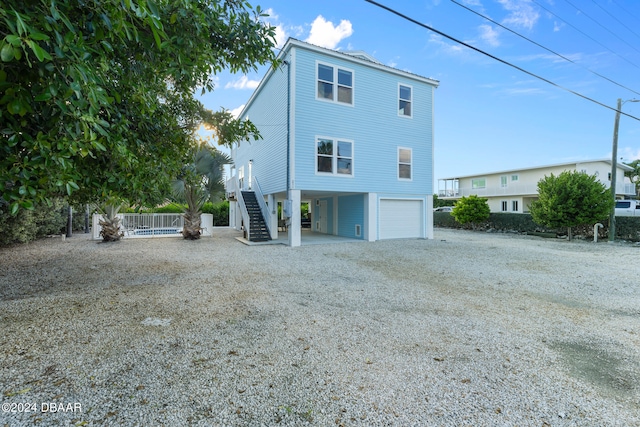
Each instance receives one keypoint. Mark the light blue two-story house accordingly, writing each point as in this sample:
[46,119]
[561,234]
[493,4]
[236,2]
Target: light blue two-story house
[345,133]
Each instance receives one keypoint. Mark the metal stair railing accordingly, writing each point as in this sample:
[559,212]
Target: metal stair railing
[264,209]
[243,210]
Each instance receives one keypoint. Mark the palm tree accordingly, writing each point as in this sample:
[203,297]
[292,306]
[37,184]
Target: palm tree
[110,223]
[201,180]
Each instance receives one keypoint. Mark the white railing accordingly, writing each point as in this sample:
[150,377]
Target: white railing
[151,224]
[144,225]
[512,190]
[264,208]
[243,210]
[517,190]
[628,189]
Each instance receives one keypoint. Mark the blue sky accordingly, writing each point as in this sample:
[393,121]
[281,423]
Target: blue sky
[488,115]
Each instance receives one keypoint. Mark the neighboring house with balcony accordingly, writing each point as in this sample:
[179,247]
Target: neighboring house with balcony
[514,190]
[345,133]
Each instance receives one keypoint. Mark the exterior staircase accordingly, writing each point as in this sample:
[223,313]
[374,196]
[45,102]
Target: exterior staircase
[258,231]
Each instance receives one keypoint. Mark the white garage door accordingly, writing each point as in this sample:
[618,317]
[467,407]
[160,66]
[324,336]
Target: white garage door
[400,218]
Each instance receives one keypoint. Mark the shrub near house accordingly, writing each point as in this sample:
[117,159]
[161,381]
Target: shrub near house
[570,199]
[471,210]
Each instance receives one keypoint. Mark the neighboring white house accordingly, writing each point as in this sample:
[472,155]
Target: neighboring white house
[345,133]
[514,190]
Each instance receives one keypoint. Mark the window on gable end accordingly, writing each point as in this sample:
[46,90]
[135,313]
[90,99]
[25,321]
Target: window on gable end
[325,155]
[405,100]
[345,86]
[334,84]
[325,82]
[345,158]
[334,156]
[404,163]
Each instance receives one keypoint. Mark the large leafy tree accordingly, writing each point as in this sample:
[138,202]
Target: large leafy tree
[97,97]
[569,199]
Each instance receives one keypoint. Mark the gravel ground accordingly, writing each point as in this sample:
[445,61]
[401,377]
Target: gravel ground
[468,329]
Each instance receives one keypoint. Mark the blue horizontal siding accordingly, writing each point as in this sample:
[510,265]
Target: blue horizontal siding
[268,111]
[350,213]
[372,123]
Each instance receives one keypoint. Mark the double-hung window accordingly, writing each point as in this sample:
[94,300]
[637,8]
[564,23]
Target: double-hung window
[334,156]
[335,84]
[405,100]
[404,163]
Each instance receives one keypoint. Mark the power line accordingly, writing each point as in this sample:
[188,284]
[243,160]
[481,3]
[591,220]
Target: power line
[585,34]
[543,47]
[619,21]
[594,20]
[395,12]
[626,11]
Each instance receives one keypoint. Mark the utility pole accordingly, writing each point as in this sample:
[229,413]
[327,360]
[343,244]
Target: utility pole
[614,172]
[614,169]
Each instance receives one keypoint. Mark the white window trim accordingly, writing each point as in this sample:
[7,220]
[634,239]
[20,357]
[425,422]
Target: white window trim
[515,178]
[335,84]
[516,204]
[400,99]
[504,206]
[504,181]
[334,157]
[398,164]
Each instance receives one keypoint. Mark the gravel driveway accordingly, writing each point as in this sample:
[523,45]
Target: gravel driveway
[468,329]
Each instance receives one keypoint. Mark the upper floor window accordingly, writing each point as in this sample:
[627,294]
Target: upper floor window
[335,84]
[503,181]
[404,163]
[515,177]
[405,101]
[478,183]
[334,156]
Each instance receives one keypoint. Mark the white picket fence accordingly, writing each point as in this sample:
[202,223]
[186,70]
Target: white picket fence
[152,225]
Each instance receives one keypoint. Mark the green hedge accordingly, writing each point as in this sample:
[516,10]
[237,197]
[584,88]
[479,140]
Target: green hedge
[27,225]
[220,211]
[627,228]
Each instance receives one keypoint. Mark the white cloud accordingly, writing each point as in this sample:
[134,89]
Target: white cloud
[242,83]
[236,111]
[323,33]
[522,14]
[449,48]
[273,19]
[281,36]
[272,14]
[489,35]
[629,153]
